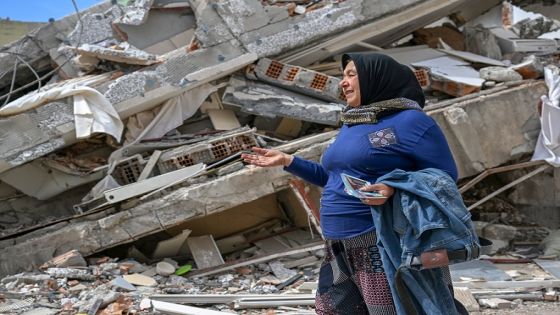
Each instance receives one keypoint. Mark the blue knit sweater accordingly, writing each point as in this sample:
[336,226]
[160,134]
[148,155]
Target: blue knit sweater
[408,140]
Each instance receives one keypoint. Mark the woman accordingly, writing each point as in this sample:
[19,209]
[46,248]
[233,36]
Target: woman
[384,128]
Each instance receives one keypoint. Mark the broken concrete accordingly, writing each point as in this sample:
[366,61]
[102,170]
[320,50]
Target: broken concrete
[155,215]
[384,30]
[135,13]
[269,101]
[499,74]
[251,29]
[476,140]
[93,28]
[151,37]
[129,94]
[297,79]
[36,46]
[129,56]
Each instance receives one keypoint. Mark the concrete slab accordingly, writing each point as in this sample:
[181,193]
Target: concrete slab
[269,101]
[477,140]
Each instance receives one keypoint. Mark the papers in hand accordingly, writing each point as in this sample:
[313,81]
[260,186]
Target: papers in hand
[353,184]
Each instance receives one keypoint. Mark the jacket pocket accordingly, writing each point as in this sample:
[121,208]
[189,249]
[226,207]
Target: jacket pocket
[421,215]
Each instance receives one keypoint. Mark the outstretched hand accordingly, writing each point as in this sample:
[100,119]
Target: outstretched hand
[386,191]
[267,157]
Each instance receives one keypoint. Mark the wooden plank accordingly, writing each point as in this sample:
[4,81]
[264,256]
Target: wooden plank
[147,171]
[506,187]
[495,170]
[537,296]
[255,260]
[205,252]
[303,142]
[466,298]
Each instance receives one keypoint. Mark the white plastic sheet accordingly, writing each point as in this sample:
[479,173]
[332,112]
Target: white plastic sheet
[92,110]
[171,114]
[548,143]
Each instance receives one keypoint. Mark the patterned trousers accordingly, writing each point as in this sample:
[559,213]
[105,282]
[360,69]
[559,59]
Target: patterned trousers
[352,280]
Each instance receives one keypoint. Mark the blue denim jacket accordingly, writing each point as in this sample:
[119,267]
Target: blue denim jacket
[425,213]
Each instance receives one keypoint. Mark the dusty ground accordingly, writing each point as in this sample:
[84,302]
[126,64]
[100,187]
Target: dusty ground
[527,308]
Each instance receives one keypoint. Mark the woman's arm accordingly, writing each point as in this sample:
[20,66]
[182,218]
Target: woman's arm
[307,170]
[433,151]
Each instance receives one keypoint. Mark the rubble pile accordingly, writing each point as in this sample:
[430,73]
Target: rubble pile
[122,138]
[103,285]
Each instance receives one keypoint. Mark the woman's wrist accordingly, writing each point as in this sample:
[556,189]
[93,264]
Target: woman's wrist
[287,160]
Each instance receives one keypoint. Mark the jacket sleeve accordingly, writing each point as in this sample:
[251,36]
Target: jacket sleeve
[309,171]
[432,151]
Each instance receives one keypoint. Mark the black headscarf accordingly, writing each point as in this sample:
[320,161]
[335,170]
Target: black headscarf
[383,78]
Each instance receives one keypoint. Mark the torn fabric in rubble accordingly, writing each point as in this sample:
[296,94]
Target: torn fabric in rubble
[92,110]
[548,144]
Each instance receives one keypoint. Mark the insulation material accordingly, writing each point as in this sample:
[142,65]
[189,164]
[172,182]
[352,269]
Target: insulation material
[548,143]
[92,111]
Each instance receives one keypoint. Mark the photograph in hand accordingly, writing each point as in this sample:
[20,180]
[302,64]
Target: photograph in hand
[353,184]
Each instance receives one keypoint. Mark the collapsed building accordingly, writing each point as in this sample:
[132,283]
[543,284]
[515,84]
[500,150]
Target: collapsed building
[123,124]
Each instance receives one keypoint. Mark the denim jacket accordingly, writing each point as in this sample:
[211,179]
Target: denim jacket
[425,213]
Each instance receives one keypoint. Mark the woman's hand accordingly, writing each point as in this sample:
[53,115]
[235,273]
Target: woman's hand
[386,191]
[267,158]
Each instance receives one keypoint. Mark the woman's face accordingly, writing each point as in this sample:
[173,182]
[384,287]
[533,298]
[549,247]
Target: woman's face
[350,85]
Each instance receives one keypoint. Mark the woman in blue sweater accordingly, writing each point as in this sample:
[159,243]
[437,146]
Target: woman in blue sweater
[384,128]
